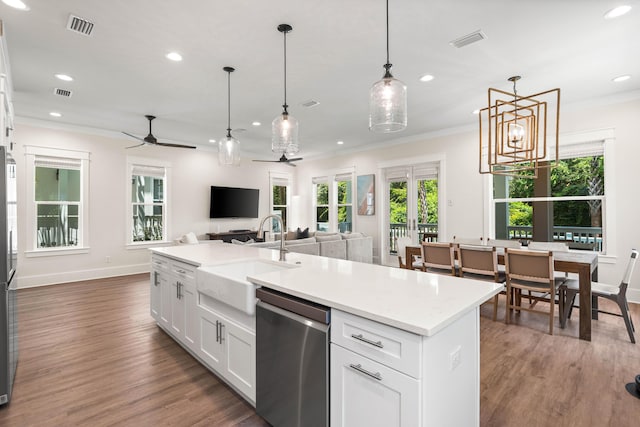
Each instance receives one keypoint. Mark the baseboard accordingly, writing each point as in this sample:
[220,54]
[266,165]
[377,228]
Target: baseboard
[79,275]
[633,295]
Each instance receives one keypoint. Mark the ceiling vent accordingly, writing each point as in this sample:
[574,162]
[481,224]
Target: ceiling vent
[79,25]
[310,103]
[62,92]
[463,41]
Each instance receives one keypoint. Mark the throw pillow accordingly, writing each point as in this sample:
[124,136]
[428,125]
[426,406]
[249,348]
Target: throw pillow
[302,234]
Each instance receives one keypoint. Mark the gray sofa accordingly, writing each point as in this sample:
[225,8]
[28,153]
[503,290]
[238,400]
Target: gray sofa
[350,246]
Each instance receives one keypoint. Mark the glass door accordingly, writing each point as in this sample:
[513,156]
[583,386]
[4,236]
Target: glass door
[411,207]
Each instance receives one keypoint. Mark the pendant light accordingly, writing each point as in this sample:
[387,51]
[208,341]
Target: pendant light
[388,100]
[229,147]
[284,128]
[515,130]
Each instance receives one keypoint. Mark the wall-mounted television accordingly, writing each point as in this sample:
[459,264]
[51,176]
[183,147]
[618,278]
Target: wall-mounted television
[232,202]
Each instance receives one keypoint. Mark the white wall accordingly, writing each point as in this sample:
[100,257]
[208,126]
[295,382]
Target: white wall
[192,174]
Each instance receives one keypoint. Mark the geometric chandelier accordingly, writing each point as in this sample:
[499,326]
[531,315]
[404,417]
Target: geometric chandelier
[519,134]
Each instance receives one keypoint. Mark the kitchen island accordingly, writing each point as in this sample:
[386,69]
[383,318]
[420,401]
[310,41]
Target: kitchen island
[420,330]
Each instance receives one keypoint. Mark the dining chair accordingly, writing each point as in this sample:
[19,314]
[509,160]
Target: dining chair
[439,257]
[481,262]
[501,243]
[469,240]
[554,247]
[401,248]
[531,271]
[615,293]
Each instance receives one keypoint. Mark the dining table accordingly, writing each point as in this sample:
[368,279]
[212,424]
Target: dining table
[582,263]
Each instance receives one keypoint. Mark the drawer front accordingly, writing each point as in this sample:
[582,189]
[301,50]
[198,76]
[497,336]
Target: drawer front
[160,264]
[186,272]
[390,346]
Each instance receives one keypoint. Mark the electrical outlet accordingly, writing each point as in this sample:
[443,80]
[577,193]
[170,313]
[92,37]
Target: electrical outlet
[454,358]
[108,259]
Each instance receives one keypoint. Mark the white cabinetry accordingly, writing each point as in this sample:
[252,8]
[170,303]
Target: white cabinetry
[384,376]
[6,107]
[228,347]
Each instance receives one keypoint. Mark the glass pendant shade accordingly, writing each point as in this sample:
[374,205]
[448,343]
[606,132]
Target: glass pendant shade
[516,134]
[388,105]
[284,134]
[229,151]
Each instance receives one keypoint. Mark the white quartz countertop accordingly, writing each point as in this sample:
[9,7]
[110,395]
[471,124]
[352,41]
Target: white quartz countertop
[414,301]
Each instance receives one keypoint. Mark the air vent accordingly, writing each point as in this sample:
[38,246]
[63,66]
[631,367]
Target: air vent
[62,92]
[463,41]
[310,103]
[79,25]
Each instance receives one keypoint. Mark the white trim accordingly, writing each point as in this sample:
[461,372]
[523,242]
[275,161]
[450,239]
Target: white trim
[148,244]
[67,250]
[80,275]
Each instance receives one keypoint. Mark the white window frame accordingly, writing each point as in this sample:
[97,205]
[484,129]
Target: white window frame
[280,179]
[34,154]
[331,179]
[579,144]
[315,182]
[343,177]
[154,166]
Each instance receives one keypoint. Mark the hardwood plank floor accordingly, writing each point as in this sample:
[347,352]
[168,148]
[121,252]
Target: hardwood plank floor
[91,355]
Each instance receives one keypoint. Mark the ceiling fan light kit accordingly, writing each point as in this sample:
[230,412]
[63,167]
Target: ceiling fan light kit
[229,147]
[388,99]
[519,134]
[284,128]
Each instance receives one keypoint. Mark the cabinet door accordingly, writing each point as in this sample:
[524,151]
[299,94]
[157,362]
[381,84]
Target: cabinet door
[177,308]
[211,350]
[240,368]
[367,393]
[167,295]
[155,295]
[189,297]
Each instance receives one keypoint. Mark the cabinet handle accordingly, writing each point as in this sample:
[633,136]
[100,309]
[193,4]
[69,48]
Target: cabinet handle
[359,337]
[359,368]
[221,332]
[177,290]
[155,278]
[217,331]
[182,272]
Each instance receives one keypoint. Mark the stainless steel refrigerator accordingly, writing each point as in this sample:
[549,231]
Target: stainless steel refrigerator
[8,280]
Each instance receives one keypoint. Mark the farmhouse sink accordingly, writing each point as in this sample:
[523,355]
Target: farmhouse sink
[228,283]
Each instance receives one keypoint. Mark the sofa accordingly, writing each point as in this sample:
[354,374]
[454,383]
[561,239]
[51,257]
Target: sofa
[349,246]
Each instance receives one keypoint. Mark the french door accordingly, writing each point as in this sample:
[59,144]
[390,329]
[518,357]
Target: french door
[411,206]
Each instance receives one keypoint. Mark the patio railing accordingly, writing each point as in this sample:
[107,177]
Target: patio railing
[430,231]
[584,238]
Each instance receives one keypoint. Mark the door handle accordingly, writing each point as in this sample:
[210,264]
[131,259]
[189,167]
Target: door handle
[359,368]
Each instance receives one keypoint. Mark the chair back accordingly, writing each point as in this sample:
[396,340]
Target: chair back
[529,266]
[627,273]
[401,248]
[498,243]
[468,240]
[549,246]
[481,260]
[439,255]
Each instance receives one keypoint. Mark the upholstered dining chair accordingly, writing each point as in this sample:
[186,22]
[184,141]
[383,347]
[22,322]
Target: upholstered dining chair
[439,257]
[530,271]
[554,247]
[500,243]
[469,240]
[615,293]
[480,262]
[401,248]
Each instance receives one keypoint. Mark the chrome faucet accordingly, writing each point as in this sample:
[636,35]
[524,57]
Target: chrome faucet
[283,251]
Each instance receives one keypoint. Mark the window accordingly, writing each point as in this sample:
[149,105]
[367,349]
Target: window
[344,191]
[321,192]
[58,189]
[565,203]
[280,199]
[147,212]
[333,202]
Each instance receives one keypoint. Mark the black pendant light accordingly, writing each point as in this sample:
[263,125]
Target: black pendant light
[284,128]
[229,147]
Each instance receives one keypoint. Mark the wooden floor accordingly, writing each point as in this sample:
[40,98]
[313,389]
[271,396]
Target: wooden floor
[91,355]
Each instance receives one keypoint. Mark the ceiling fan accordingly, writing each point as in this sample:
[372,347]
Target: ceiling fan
[150,139]
[282,159]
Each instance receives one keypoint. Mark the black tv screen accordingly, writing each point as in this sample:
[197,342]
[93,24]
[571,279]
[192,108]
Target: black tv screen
[231,202]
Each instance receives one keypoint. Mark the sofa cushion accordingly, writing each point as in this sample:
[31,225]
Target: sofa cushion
[240,242]
[299,241]
[328,237]
[302,234]
[334,248]
[352,235]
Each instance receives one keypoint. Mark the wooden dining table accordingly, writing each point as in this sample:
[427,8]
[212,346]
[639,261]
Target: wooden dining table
[583,263]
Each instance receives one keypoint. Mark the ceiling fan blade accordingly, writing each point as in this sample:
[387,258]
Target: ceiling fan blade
[139,145]
[133,136]
[168,144]
[267,161]
[295,159]
[291,164]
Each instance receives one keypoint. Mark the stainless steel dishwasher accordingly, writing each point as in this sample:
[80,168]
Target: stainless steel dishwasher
[292,360]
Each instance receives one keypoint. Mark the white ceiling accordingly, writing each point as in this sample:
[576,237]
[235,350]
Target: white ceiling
[335,53]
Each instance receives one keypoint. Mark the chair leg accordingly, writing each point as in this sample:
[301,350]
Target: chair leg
[552,306]
[561,304]
[495,307]
[627,321]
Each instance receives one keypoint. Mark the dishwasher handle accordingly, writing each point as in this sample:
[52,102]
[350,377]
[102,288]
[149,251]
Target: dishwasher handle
[293,316]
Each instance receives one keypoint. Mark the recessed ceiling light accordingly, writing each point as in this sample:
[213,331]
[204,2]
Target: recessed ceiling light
[476,111]
[64,77]
[617,11]
[16,4]
[212,141]
[174,56]
[340,142]
[621,78]
[426,78]
[256,123]
[55,114]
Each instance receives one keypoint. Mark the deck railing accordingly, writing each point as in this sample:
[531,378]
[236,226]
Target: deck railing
[425,230]
[584,238]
